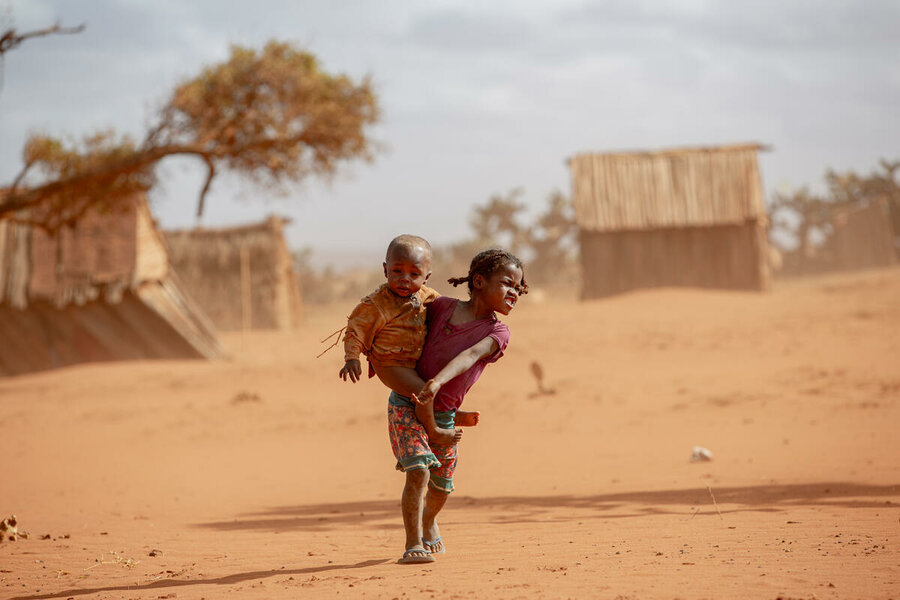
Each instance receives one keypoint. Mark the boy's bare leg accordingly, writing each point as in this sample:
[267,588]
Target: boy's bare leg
[436,435]
[403,380]
[411,505]
[466,418]
[406,382]
[434,502]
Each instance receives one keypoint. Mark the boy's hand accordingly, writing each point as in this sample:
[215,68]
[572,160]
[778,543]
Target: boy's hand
[351,369]
[427,394]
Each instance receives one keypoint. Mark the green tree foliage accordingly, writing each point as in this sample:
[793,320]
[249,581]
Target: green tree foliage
[553,241]
[803,216]
[808,217]
[548,245]
[850,188]
[497,222]
[272,115]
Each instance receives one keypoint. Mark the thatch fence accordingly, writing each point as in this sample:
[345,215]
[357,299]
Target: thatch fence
[862,237]
[682,217]
[243,277]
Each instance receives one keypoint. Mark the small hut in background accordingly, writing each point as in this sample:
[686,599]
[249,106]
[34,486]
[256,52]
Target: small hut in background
[243,277]
[681,217]
[102,290]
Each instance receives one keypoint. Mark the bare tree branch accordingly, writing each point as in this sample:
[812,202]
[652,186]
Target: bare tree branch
[209,177]
[272,115]
[17,200]
[10,39]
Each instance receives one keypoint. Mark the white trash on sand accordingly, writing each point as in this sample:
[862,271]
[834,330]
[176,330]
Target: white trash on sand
[701,454]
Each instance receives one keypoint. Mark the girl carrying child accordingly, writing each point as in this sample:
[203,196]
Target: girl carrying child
[464,336]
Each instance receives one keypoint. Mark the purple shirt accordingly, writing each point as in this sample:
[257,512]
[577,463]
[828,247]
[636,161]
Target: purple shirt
[445,341]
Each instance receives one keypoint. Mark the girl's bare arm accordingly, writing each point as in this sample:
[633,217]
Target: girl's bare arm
[461,363]
[457,366]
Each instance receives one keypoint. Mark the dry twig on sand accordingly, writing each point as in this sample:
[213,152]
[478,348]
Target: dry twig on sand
[336,340]
[117,560]
[716,504]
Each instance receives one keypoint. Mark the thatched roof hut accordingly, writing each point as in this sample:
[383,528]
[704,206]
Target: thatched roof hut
[102,290]
[243,277]
[688,216]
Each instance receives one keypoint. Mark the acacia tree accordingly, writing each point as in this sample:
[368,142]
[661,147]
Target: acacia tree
[548,244]
[804,215]
[850,188]
[497,221]
[273,116]
[10,38]
[553,241]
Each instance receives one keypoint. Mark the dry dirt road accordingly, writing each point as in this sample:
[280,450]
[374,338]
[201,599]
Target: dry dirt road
[265,476]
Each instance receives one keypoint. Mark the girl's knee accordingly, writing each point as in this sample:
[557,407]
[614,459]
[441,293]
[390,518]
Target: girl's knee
[417,477]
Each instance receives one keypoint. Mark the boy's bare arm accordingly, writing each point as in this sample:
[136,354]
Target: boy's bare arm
[362,325]
[403,380]
[352,369]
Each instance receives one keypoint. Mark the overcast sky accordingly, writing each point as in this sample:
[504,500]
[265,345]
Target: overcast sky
[478,97]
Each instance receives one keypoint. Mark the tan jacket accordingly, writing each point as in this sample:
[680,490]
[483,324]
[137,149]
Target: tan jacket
[388,329]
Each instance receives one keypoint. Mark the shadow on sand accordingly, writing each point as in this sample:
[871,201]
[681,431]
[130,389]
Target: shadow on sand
[226,580]
[512,509]
[506,509]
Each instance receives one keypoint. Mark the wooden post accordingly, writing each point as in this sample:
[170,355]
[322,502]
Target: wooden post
[246,307]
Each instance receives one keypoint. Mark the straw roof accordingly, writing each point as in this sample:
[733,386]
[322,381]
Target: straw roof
[684,187]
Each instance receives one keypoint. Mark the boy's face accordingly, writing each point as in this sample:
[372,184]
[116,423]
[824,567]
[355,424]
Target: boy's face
[407,270]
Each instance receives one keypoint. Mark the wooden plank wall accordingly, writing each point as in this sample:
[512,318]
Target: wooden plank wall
[725,256]
[15,267]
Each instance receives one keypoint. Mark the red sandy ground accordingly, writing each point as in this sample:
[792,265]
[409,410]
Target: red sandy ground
[267,477]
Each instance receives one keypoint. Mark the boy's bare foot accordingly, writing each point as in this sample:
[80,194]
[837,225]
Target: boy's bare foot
[445,437]
[466,419]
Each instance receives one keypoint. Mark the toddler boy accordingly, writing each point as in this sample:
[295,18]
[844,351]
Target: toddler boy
[388,327]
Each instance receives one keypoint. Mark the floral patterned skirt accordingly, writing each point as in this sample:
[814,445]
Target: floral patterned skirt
[409,441]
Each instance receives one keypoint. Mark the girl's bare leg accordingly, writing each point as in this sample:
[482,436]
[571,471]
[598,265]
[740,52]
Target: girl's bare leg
[411,506]
[434,502]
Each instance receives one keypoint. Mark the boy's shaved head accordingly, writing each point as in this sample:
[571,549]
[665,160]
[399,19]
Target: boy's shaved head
[407,265]
[409,245]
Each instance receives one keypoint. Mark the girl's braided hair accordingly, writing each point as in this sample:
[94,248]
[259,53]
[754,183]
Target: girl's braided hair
[488,261]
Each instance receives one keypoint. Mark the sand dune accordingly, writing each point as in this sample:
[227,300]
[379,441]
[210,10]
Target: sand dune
[265,476]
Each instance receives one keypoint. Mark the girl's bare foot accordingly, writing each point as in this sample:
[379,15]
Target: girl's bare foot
[445,437]
[432,541]
[465,418]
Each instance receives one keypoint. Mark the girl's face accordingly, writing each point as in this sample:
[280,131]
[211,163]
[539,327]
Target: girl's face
[500,291]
